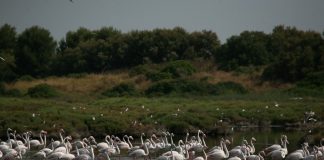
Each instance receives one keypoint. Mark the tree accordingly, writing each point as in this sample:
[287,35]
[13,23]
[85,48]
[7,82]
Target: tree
[298,54]
[204,43]
[34,51]
[249,48]
[8,38]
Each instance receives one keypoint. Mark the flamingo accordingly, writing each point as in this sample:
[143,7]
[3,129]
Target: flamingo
[238,153]
[139,152]
[255,157]
[249,147]
[275,146]
[280,153]
[218,148]
[201,145]
[84,156]
[103,156]
[137,147]
[39,155]
[296,155]
[123,145]
[104,145]
[12,154]
[201,158]
[35,143]
[58,143]
[219,154]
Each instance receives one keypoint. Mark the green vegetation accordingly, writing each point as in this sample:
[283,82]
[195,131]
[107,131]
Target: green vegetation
[182,86]
[127,115]
[121,90]
[42,91]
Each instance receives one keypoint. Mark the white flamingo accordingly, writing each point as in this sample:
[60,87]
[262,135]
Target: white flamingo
[275,146]
[104,145]
[201,158]
[36,143]
[84,156]
[298,154]
[58,143]
[280,153]
[123,145]
[255,157]
[201,145]
[248,148]
[219,154]
[139,152]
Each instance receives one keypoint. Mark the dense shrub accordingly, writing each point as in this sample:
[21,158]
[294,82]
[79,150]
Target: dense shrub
[42,90]
[141,69]
[26,78]
[157,76]
[2,88]
[181,86]
[312,85]
[227,88]
[124,89]
[177,127]
[313,81]
[14,93]
[179,69]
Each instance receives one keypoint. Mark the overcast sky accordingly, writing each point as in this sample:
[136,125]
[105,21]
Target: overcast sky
[225,17]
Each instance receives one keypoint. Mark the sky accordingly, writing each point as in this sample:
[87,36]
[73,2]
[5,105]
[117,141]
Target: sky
[225,17]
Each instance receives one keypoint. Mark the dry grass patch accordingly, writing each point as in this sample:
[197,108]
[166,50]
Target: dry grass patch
[87,84]
[251,82]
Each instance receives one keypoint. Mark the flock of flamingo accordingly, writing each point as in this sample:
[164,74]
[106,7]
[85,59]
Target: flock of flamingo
[18,146]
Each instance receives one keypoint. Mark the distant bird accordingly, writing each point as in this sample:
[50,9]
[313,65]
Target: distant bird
[71,1]
[2,59]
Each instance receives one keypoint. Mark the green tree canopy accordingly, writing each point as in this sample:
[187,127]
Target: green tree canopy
[249,48]
[34,51]
[8,39]
[298,54]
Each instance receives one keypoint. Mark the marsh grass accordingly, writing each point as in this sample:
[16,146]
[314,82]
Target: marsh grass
[142,114]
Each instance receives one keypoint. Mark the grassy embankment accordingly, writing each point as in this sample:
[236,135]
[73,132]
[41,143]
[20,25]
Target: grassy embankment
[81,109]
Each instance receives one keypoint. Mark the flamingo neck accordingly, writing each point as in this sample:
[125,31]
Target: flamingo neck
[171,139]
[44,140]
[41,138]
[205,155]
[142,139]
[106,139]
[225,150]
[198,137]
[187,138]
[91,151]
[107,155]
[124,138]
[166,140]
[62,140]
[77,150]
[146,150]
[153,143]
[129,142]
[203,142]
[252,145]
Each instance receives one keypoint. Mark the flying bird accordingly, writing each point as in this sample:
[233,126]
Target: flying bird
[71,1]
